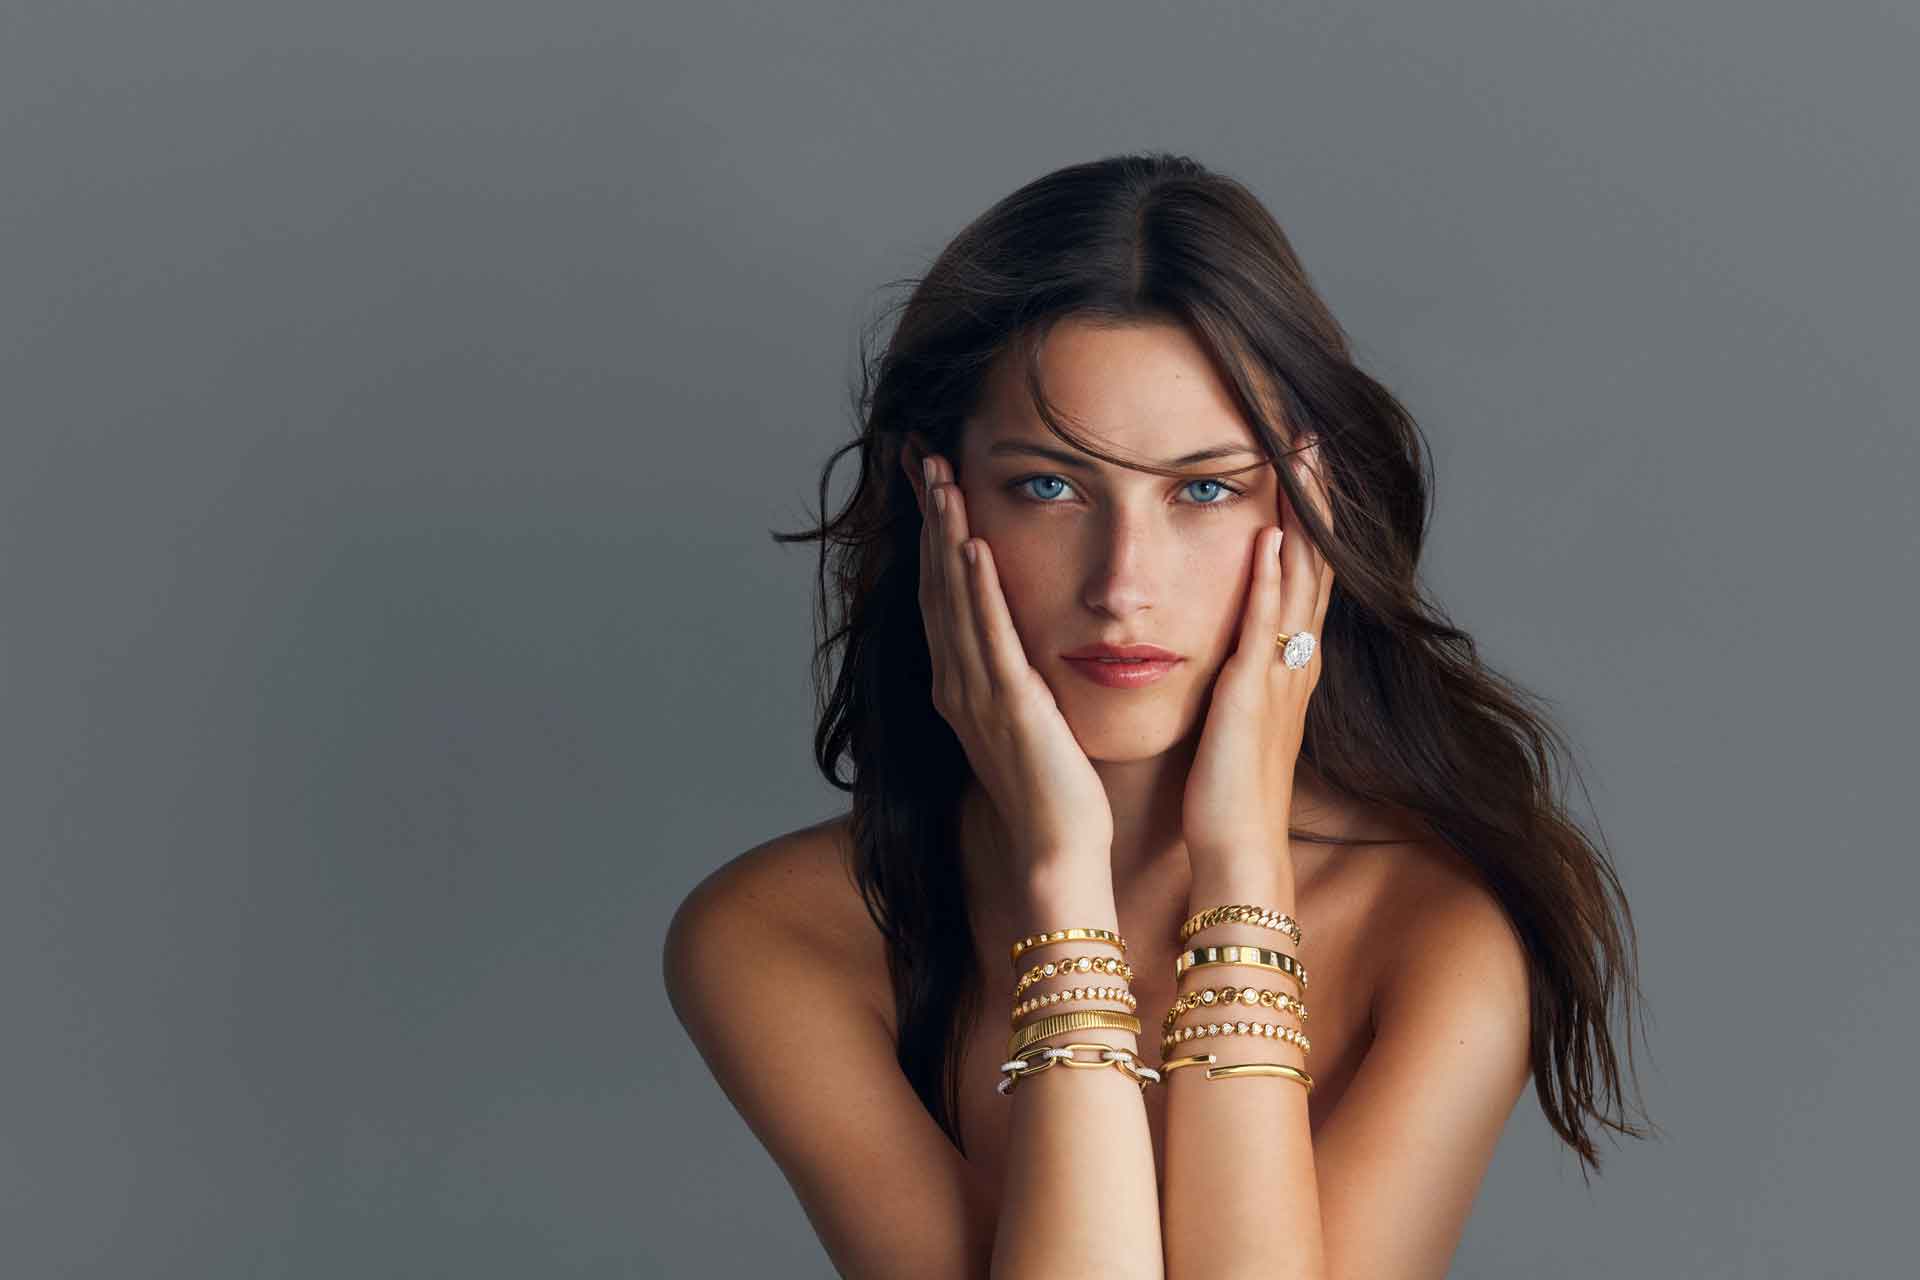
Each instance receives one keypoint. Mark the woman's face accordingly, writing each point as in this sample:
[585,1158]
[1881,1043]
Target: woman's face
[1090,553]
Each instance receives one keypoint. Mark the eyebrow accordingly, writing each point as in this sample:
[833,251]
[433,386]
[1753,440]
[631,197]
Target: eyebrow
[1069,458]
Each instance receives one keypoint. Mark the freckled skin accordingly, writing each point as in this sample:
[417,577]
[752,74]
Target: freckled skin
[1085,556]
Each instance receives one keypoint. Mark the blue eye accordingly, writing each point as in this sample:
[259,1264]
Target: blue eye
[1217,486]
[1222,493]
[1039,480]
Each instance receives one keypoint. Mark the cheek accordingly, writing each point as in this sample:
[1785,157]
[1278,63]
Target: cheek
[1036,579]
[1218,579]
[1027,589]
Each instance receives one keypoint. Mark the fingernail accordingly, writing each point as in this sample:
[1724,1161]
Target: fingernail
[971,551]
[926,468]
[1278,534]
[940,500]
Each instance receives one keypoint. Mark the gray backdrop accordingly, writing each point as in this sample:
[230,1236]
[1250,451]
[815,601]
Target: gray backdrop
[397,397]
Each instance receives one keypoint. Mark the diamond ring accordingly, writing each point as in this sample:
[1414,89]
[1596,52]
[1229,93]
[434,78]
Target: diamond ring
[1298,650]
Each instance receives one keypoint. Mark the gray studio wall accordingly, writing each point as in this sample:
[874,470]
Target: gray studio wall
[394,402]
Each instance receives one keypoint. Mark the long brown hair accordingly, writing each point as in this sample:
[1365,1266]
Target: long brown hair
[1405,714]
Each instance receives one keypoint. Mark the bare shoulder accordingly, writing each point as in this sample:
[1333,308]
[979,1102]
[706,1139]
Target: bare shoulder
[1448,1060]
[1454,936]
[797,886]
[760,968]
[788,879]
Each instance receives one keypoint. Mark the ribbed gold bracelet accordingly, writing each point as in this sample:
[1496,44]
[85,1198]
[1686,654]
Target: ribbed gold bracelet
[1226,997]
[1065,994]
[1070,935]
[1228,953]
[1078,964]
[1237,1069]
[1077,1020]
[1242,913]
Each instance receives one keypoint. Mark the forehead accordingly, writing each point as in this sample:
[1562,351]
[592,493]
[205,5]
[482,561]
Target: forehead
[1145,389]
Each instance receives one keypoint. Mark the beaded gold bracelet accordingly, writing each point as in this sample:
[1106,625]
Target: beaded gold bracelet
[1228,953]
[1070,935]
[1065,994]
[1237,1069]
[1078,964]
[1265,1030]
[1260,997]
[1242,913]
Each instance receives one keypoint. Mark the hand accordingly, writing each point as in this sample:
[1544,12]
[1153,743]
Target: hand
[1020,746]
[1239,793]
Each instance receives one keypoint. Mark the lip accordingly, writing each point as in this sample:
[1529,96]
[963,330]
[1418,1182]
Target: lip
[1152,664]
[1122,675]
[1153,652]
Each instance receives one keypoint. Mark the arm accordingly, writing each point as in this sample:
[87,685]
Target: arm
[1386,1189]
[809,1066]
[1240,1162]
[1079,1191]
[1080,1195]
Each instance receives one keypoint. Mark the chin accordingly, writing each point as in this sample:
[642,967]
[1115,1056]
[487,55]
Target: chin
[1122,739]
[1115,727]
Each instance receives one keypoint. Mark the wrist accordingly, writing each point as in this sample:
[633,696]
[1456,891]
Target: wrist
[1266,884]
[1067,897]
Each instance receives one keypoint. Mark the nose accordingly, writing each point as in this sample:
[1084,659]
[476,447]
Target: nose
[1121,580]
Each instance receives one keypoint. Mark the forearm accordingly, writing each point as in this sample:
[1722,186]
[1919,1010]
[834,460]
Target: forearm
[1080,1195]
[1240,1197]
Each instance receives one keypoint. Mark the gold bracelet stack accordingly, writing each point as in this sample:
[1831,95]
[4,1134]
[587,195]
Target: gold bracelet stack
[1026,1055]
[1220,1000]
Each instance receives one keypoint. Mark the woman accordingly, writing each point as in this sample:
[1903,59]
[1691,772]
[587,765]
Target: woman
[1115,420]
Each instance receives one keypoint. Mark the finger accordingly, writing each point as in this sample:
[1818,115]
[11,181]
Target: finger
[1301,563]
[1261,617]
[1006,657]
[963,631]
[933,596]
[1323,503]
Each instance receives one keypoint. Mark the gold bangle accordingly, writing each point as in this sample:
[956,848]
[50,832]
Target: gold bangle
[1265,1030]
[1078,1020]
[1237,1069]
[1062,1056]
[1070,935]
[1226,997]
[1242,913]
[1261,1069]
[1078,964]
[1228,953]
[1051,998]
